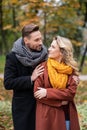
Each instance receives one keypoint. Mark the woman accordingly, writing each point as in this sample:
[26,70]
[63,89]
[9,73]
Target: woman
[55,89]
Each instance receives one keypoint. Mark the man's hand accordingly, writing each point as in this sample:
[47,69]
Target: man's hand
[37,72]
[40,93]
[76,78]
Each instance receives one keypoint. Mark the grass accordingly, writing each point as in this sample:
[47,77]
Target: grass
[2,63]
[84,70]
[81,103]
[81,95]
[5,108]
[5,116]
[82,113]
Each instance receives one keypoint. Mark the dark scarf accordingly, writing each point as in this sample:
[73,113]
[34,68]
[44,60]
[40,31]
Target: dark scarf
[28,57]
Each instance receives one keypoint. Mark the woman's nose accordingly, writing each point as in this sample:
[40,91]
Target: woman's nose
[49,48]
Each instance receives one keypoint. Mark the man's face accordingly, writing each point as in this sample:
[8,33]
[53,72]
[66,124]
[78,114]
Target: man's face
[34,41]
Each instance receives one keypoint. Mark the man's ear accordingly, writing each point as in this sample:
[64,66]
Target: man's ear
[25,40]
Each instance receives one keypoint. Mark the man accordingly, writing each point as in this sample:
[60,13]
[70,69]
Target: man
[20,74]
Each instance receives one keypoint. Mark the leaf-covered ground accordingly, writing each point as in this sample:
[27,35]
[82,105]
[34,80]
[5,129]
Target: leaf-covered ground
[81,103]
[5,106]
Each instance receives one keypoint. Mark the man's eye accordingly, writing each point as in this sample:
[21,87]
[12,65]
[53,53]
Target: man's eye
[37,40]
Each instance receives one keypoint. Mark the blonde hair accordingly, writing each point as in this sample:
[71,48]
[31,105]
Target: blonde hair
[66,48]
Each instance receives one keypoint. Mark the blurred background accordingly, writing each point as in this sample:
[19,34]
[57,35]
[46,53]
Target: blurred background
[67,18]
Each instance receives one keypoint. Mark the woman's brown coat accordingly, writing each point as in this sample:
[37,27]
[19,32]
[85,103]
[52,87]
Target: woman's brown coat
[49,112]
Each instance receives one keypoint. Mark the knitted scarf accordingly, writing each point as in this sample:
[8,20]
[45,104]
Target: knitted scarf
[28,57]
[58,73]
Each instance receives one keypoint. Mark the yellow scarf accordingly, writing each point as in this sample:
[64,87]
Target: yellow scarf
[58,73]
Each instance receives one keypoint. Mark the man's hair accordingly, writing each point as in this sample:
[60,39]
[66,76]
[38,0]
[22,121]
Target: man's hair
[28,29]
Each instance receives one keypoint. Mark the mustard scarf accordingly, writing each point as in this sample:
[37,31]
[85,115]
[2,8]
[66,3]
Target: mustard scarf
[58,73]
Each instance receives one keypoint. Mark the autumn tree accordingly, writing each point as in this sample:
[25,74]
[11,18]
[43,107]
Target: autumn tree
[53,17]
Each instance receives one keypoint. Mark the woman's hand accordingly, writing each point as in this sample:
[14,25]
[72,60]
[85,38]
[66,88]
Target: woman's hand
[40,93]
[65,102]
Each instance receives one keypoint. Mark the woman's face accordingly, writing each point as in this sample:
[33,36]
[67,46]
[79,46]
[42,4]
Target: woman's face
[54,51]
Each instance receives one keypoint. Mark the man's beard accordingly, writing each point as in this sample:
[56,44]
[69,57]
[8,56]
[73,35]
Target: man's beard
[36,50]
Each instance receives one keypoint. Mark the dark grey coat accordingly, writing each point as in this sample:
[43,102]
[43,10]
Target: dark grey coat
[17,78]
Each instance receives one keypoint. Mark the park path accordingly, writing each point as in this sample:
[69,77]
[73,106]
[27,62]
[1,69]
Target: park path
[82,77]
[1,75]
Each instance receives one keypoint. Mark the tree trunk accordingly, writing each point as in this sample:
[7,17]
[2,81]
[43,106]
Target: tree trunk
[1,25]
[2,32]
[83,59]
[84,54]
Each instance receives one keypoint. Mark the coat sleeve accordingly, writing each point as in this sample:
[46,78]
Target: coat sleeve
[51,102]
[11,80]
[63,94]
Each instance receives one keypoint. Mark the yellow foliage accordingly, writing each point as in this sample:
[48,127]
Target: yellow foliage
[7,27]
[14,1]
[76,43]
[33,20]
[85,101]
[1,97]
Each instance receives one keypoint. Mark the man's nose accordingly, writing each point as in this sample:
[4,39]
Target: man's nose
[40,42]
